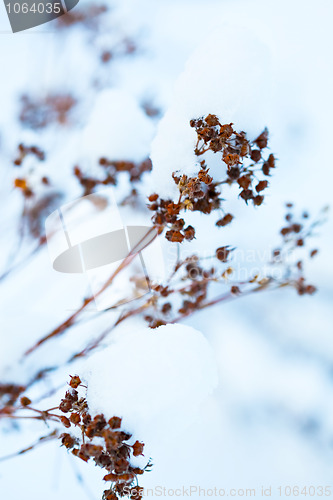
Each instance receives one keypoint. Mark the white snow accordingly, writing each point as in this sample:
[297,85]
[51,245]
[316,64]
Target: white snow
[152,378]
[228,75]
[117,129]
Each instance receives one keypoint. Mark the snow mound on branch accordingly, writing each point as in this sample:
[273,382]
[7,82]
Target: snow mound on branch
[152,378]
[118,129]
[228,75]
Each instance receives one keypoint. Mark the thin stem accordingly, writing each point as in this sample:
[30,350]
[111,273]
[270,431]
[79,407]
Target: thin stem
[70,321]
[43,439]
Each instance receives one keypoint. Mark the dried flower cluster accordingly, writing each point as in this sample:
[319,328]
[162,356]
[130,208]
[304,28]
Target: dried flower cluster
[110,450]
[191,286]
[37,113]
[36,206]
[295,234]
[110,172]
[9,394]
[244,161]
[104,442]
[188,289]
[24,151]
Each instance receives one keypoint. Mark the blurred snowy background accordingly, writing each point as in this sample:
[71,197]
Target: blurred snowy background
[269,421]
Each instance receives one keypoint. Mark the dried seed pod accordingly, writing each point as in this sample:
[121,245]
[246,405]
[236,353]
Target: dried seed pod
[75,418]
[115,423]
[67,440]
[256,155]
[227,219]
[75,381]
[25,401]
[189,233]
[261,186]
[257,200]
[137,448]
[65,422]
[262,140]
[245,181]
[222,253]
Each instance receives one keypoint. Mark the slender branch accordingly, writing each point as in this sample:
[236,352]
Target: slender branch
[70,321]
[106,332]
[224,298]
[43,439]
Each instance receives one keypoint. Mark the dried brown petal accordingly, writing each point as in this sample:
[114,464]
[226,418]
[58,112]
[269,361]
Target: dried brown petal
[67,440]
[75,381]
[137,448]
[262,140]
[115,423]
[222,253]
[174,236]
[261,186]
[225,220]
[256,155]
[75,418]
[189,233]
[245,181]
[257,200]
[65,422]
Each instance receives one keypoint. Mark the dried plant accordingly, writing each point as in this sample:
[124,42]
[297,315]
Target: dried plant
[38,113]
[24,151]
[104,442]
[188,288]
[194,283]
[243,160]
[110,173]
